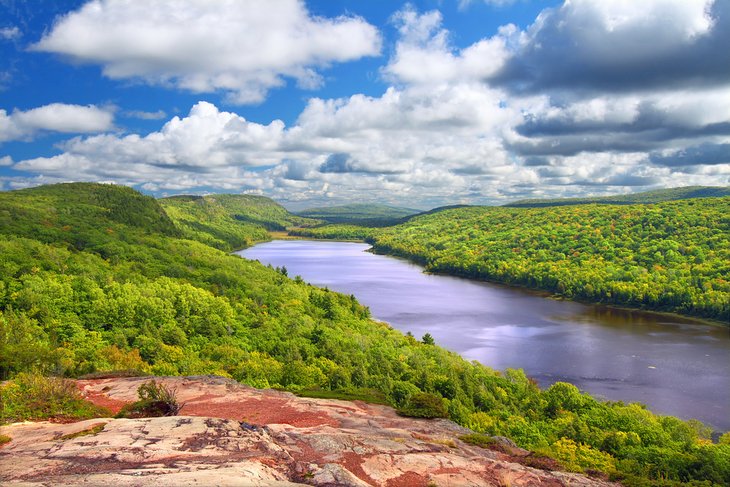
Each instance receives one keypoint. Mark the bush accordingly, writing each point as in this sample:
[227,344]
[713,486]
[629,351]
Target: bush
[424,405]
[32,396]
[479,439]
[155,400]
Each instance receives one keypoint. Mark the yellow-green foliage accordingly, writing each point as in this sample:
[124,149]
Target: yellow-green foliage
[578,457]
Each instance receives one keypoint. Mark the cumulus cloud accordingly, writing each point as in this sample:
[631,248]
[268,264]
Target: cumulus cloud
[240,48]
[207,138]
[424,53]
[623,46]
[56,117]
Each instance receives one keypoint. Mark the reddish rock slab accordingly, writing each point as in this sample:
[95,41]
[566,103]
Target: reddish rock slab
[230,434]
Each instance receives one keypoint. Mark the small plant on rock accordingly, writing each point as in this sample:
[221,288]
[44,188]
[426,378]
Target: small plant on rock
[155,400]
[424,405]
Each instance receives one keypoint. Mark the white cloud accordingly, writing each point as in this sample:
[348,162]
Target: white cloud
[242,48]
[144,115]
[55,117]
[6,161]
[9,33]
[424,53]
[206,138]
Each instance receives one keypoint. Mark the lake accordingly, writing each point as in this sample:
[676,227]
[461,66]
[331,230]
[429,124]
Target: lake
[673,365]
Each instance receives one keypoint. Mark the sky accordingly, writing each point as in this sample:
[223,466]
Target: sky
[315,103]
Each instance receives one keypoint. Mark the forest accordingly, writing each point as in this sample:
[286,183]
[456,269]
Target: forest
[102,278]
[671,256]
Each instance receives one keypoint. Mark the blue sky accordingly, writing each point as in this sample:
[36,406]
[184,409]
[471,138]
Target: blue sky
[418,104]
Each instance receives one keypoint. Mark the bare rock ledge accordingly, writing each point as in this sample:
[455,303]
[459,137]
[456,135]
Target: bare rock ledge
[232,435]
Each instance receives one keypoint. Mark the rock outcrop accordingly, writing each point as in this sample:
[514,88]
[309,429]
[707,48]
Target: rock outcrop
[229,434]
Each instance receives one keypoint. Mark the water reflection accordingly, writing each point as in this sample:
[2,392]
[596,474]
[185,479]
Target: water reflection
[675,365]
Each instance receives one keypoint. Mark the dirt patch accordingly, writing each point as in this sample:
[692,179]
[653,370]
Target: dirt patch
[408,479]
[260,412]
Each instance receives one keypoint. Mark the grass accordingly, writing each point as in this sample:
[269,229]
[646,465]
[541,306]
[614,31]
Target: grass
[371,396]
[4,439]
[91,430]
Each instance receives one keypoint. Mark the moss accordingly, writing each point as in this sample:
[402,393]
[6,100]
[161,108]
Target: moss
[5,439]
[90,431]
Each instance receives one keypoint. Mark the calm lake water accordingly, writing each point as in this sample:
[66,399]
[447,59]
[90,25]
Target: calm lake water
[673,365]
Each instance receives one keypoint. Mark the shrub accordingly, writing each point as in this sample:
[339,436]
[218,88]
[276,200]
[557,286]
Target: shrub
[155,400]
[424,405]
[478,439]
[32,396]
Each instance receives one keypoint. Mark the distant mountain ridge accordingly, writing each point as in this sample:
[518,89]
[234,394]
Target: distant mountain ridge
[368,214]
[647,197]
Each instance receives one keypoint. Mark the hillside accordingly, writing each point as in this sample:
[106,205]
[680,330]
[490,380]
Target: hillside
[229,221]
[81,214]
[671,256]
[360,214]
[648,197]
[88,286]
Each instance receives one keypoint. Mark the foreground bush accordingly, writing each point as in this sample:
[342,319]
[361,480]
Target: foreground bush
[32,396]
[155,400]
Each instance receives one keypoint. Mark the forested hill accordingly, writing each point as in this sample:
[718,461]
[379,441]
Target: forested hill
[647,197]
[360,214]
[81,214]
[230,221]
[671,256]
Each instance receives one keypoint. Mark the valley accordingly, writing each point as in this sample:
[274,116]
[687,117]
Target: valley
[98,278]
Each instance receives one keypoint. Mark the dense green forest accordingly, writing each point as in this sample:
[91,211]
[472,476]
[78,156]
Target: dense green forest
[656,196]
[230,221]
[99,277]
[672,256]
[361,214]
